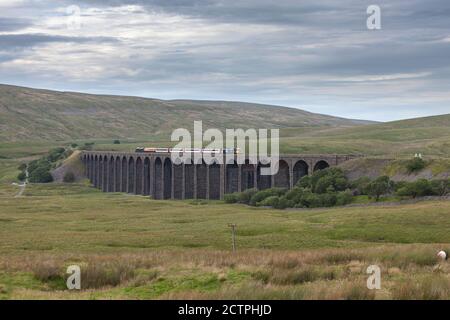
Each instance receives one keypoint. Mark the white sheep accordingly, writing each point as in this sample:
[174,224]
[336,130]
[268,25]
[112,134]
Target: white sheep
[442,255]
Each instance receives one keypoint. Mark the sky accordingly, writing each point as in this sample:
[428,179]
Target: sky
[316,55]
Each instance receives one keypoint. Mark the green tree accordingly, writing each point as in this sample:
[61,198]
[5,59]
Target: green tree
[419,188]
[40,175]
[378,187]
[21,176]
[321,180]
[360,185]
[440,187]
[415,165]
[55,154]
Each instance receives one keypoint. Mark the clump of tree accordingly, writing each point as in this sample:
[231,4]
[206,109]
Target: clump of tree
[325,188]
[55,154]
[323,181]
[330,187]
[39,171]
[423,188]
[415,165]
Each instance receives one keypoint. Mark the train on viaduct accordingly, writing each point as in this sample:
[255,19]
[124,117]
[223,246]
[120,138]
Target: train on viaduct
[155,175]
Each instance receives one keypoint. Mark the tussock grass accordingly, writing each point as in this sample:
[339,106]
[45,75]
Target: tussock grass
[248,274]
[435,287]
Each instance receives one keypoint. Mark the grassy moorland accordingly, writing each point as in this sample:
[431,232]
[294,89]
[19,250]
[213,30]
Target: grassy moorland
[76,117]
[429,136]
[44,115]
[132,247]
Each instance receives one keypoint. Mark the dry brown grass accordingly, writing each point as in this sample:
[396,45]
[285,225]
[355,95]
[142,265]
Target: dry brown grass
[408,272]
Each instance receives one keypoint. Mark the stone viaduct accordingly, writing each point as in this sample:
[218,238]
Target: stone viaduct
[155,175]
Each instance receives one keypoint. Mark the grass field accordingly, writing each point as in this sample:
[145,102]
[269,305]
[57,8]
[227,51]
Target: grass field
[132,247]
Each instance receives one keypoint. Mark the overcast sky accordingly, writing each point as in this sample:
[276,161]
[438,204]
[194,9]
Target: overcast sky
[316,55]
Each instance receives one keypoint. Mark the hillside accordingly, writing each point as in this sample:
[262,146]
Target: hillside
[429,136]
[32,121]
[33,114]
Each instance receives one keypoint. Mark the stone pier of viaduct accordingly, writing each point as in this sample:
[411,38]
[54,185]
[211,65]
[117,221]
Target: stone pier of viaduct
[155,175]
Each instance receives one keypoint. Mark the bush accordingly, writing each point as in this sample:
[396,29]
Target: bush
[55,154]
[296,194]
[423,188]
[315,200]
[42,163]
[231,197]
[360,185]
[41,175]
[415,165]
[69,177]
[304,182]
[400,184]
[116,142]
[440,187]
[419,188]
[323,181]
[324,184]
[263,194]
[380,186]
[246,195]
[74,145]
[284,203]
[271,201]
[344,197]
[22,167]
[327,200]
[21,176]
[325,188]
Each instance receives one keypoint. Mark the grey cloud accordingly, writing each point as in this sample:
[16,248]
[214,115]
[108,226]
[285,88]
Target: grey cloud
[13,24]
[325,13]
[31,40]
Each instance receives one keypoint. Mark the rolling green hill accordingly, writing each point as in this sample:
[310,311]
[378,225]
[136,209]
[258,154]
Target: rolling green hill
[32,114]
[429,136]
[32,121]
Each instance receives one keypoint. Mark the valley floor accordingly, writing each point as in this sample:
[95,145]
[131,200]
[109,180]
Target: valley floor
[131,247]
